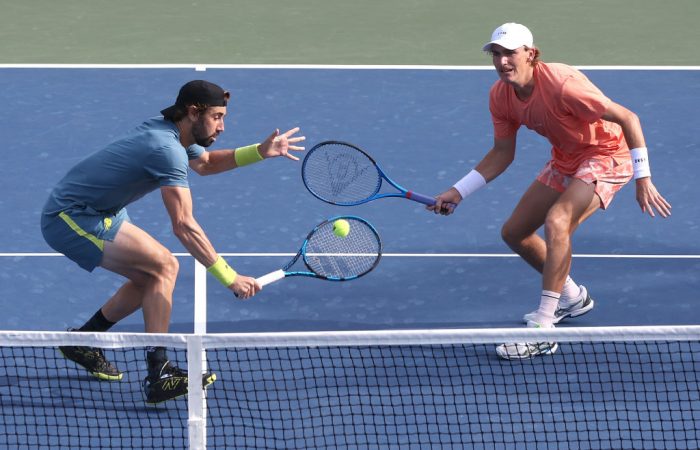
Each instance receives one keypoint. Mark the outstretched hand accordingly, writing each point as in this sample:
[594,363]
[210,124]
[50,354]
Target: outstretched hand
[278,144]
[649,198]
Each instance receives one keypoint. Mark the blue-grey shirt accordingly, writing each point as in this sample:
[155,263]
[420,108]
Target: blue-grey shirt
[146,158]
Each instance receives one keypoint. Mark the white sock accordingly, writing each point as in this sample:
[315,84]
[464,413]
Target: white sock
[570,292]
[548,305]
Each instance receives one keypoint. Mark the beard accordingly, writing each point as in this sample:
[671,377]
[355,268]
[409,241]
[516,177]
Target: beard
[200,135]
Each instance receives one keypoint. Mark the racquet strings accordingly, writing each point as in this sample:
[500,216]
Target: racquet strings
[340,174]
[351,256]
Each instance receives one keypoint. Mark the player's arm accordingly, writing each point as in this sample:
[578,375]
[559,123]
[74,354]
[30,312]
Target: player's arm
[647,195]
[491,166]
[178,202]
[217,161]
[497,159]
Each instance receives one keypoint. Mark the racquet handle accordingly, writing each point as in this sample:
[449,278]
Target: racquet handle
[420,198]
[270,277]
[424,199]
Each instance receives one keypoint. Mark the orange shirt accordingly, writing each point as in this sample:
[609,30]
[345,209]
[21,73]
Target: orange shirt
[565,107]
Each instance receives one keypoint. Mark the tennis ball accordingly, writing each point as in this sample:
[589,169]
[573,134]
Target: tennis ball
[341,228]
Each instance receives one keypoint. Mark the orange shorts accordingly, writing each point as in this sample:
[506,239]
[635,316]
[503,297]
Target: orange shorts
[608,174]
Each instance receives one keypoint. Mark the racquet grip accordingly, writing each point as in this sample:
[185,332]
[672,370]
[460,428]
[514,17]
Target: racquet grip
[424,199]
[420,198]
[270,277]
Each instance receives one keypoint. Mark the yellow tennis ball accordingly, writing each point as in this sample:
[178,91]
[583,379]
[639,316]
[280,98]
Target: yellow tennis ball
[341,228]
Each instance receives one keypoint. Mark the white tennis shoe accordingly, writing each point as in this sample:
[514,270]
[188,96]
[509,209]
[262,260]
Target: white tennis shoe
[527,350]
[576,309]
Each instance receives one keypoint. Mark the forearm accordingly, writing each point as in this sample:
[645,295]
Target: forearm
[632,130]
[628,121]
[218,161]
[494,163]
[196,242]
[178,202]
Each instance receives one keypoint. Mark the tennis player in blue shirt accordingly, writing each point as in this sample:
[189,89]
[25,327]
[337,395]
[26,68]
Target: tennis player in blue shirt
[85,218]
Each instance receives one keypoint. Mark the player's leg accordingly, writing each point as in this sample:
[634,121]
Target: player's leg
[123,248]
[80,236]
[520,233]
[593,187]
[544,205]
[85,238]
[520,230]
[151,271]
[575,205]
[578,202]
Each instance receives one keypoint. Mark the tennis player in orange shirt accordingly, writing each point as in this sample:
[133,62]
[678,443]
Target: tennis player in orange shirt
[597,147]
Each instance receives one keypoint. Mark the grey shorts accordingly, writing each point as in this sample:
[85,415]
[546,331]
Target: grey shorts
[80,235]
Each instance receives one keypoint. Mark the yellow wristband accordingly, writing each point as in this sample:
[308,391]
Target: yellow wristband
[223,272]
[247,155]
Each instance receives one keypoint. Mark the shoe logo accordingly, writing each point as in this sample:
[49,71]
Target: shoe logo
[171,384]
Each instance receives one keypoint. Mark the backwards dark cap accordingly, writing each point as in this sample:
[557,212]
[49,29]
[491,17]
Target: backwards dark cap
[198,92]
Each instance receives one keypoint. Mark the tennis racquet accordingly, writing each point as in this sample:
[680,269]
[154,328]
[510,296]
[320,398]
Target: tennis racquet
[342,174]
[331,257]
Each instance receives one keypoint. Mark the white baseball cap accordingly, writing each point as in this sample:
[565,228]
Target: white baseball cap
[511,36]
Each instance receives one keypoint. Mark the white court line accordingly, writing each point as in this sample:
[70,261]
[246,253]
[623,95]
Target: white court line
[204,67]
[408,255]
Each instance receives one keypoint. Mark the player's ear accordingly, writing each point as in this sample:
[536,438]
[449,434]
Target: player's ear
[532,54]
[193,112]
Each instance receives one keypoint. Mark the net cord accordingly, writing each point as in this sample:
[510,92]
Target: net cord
[351,338]
[452,336]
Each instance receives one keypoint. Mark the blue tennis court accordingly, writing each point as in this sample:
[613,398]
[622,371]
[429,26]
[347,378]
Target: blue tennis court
[427,128]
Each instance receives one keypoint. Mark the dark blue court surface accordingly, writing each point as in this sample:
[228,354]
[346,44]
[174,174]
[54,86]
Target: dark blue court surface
[427,128]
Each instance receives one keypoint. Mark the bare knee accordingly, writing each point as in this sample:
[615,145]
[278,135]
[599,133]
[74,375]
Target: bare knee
[557,227]
[162,269]
[169,268]
[511,235]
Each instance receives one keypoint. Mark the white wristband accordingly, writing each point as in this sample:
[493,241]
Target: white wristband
[471,182]
[640,162]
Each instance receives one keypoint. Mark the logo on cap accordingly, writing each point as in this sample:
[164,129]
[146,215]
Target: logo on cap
[511,36]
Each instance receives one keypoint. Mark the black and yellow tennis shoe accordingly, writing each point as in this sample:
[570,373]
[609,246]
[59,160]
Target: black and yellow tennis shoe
[93,360]
[169,382]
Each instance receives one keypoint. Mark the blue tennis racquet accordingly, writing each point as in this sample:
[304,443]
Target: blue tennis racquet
[342,174]
[331,257]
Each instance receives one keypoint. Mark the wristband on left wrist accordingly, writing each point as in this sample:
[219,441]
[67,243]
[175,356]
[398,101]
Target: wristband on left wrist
[247,155]
[640,162]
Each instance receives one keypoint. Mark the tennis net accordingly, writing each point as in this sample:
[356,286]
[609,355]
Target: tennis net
[612,387]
